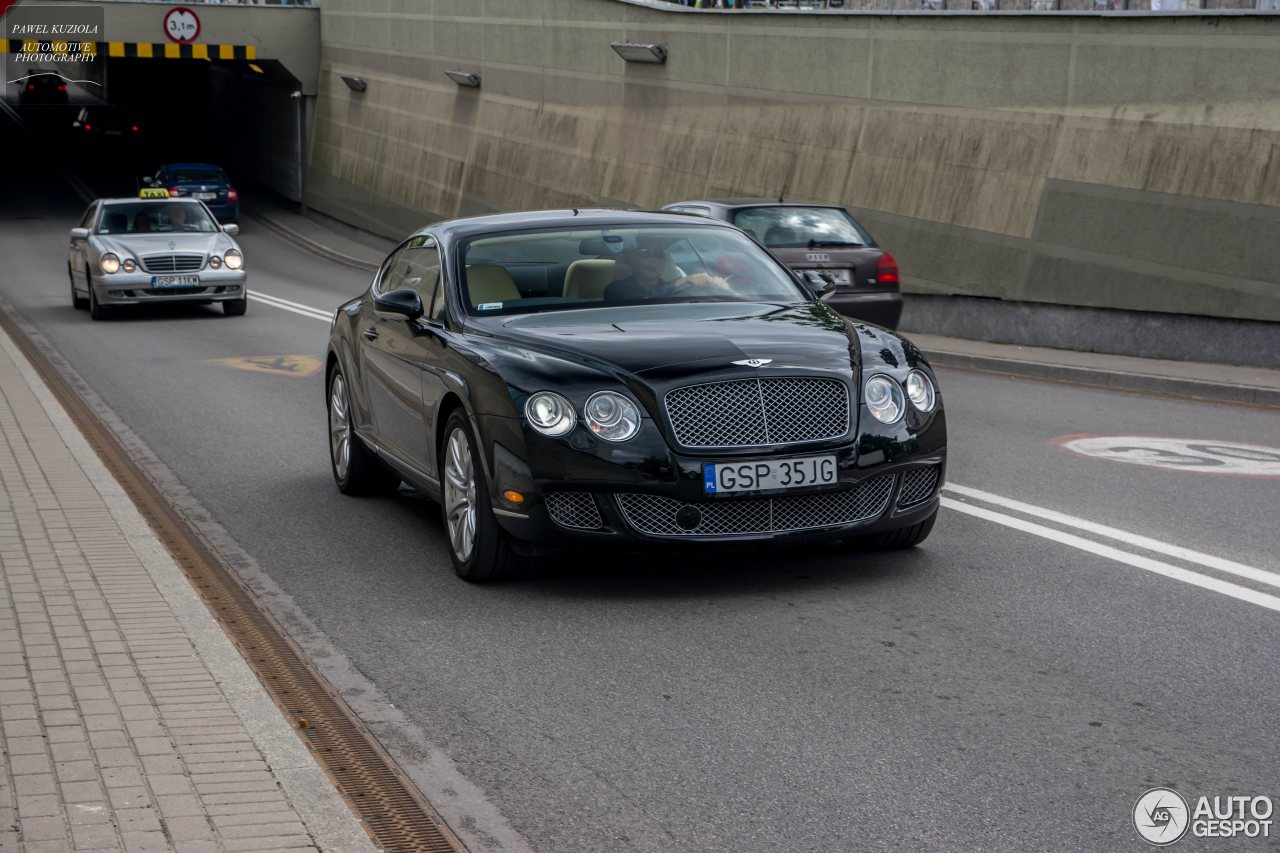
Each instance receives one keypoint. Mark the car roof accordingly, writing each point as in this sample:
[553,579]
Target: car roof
[192,166]
[135,199]
[586,218]
[756,202]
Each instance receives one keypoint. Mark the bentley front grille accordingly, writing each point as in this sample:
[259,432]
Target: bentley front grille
[758,412]
[577,510]
[172,263]
[656,515]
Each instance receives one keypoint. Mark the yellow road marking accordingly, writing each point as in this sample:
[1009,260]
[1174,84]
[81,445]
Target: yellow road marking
[279,365]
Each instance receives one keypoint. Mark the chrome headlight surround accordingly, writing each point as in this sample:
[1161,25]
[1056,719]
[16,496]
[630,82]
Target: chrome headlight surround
[611,416]
[109,263]
[549,413]
[921,391]
[233,259]
[884,398]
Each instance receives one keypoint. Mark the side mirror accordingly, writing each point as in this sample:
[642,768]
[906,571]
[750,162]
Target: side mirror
[401,303]
[231,229]
[79,233]
[820,284]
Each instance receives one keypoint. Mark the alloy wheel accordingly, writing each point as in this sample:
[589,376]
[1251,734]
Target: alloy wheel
[460,494]
[339,427]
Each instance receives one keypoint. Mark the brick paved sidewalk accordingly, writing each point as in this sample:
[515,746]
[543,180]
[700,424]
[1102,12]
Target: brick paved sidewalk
[129,720]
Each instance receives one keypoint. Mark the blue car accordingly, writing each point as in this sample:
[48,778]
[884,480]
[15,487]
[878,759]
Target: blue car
[203,181]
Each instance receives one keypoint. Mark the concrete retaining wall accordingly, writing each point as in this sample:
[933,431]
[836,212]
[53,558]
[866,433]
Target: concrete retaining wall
[1127,162]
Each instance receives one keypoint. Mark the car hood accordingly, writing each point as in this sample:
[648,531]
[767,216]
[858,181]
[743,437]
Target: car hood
[668,342]
[158,244]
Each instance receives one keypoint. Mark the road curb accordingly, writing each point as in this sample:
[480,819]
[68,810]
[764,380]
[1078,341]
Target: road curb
[303,242]
[1177,387]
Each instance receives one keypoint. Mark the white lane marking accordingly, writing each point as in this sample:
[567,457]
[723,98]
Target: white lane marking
[1261,599]
[1176,551]
[296,308]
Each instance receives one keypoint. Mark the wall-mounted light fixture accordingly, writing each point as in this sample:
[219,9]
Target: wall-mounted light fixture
[631,52]
[464,78]
[355,84]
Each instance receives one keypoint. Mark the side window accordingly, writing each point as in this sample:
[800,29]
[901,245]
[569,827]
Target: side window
[416,266]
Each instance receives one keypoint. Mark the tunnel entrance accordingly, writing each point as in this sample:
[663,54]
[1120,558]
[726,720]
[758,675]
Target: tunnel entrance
[240,114]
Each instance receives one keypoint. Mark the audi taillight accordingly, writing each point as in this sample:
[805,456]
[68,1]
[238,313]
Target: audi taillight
[175,191]
[887,270]
[232,195]
[62,87]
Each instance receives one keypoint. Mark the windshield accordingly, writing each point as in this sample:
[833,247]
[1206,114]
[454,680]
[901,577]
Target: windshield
[198,176]
[785,227]
[566,269]
[155,218]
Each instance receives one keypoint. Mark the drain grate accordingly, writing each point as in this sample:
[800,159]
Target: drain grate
[394,813]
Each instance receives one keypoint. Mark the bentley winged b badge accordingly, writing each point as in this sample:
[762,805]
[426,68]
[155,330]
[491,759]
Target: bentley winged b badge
[754,362]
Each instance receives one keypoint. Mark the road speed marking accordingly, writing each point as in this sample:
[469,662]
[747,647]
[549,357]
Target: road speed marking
[1200,456]
[280,365]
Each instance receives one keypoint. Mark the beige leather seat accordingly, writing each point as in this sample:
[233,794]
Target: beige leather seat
[490,283]
[587,278]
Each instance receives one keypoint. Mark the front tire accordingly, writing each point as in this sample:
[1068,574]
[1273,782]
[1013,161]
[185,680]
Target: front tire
[78,302]
[96,310]
[481,550]
[895,540]
[355,470]
[235,307]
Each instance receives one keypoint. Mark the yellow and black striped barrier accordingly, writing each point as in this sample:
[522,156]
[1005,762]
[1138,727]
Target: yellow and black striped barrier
[132,49]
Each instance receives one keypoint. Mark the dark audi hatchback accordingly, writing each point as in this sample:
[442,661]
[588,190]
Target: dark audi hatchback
[821,239]
[616,379]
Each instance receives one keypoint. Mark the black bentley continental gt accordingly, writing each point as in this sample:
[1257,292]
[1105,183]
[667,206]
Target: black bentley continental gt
[567,378]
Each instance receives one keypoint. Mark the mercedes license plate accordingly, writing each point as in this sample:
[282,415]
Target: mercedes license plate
[761,475]
[205,196]
[175,281]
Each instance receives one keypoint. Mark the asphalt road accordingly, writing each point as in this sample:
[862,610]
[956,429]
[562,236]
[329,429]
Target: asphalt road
[993,689]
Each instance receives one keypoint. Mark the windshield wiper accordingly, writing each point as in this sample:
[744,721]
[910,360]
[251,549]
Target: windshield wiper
[833,244]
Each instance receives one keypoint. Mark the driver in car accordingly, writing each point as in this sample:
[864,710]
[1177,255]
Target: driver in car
[178,218]
[647,262]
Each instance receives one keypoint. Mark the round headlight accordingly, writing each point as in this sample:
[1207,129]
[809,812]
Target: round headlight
[215,262]
[233,259]
[920,391]
[612,416]
[550,414]
[129,265]
[884,398]
[110,263]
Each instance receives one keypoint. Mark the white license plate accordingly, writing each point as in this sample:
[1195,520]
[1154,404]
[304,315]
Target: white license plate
[840,278]
[175,281]
[760,475]
[205,196]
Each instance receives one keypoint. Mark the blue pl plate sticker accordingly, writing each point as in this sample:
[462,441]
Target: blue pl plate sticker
[488,306]
[709,479]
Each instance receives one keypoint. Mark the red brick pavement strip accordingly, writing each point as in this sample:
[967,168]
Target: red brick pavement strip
[118,734]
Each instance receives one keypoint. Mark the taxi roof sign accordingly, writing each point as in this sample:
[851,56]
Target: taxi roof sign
[153,192]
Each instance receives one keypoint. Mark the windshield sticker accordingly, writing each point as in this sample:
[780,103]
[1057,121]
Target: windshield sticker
[488,306]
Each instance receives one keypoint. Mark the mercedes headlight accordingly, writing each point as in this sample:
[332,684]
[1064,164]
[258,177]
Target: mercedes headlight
[549,413]
[612,416]
[884,398]
[129,265]
[215,262]
[920,391]
[110,263]
[233,259]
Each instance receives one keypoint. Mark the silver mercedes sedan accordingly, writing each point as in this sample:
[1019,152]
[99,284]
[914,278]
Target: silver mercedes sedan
[130,251]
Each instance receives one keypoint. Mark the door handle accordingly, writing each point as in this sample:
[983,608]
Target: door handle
[370,333]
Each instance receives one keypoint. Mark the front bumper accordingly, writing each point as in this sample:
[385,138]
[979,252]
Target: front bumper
[870,495]
[135,288]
